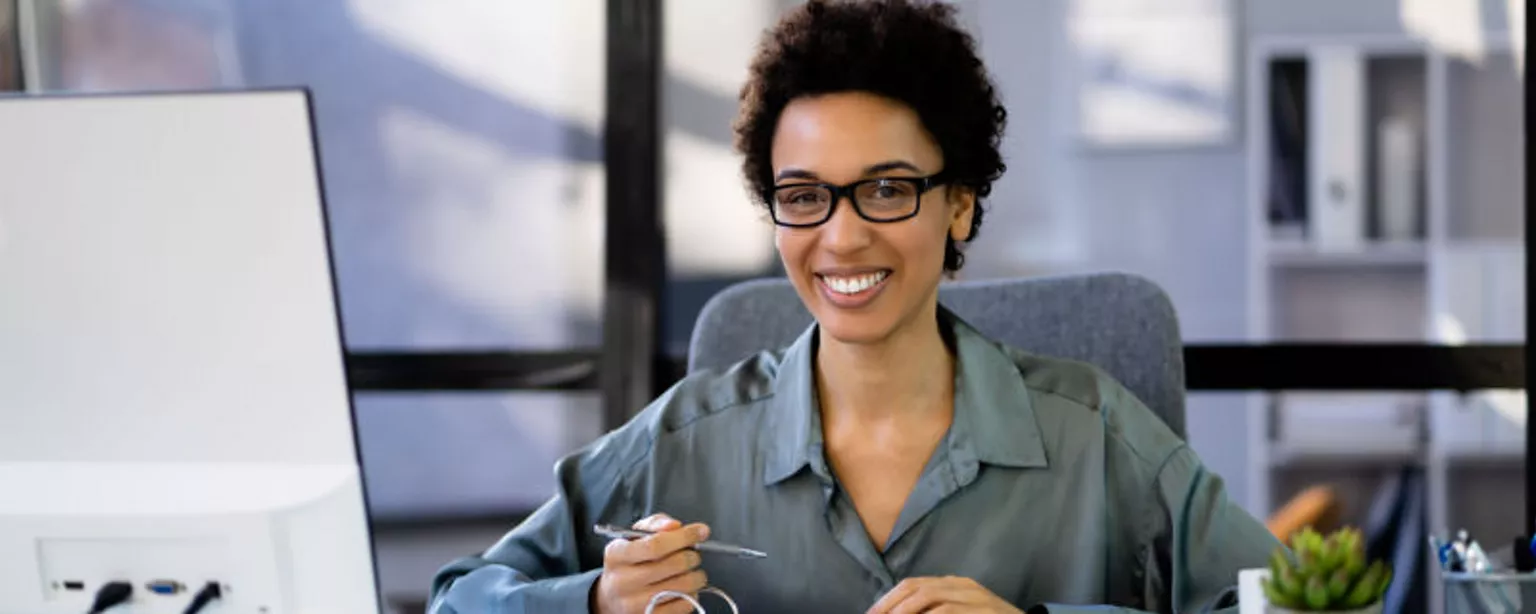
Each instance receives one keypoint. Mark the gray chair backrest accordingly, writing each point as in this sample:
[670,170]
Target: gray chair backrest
[1121,323]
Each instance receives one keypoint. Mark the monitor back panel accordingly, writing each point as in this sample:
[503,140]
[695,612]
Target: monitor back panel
[165,286]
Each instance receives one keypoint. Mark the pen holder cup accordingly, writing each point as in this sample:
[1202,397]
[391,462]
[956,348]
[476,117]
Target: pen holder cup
[1489,593]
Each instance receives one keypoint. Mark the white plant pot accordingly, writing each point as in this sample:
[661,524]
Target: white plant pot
[1251,600]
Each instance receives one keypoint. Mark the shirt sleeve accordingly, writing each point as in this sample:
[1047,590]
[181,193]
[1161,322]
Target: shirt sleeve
[1192,539]
[1202,541]
[549,562]
[1194,550]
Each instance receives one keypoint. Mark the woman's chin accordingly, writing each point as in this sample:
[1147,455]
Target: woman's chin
[854,329]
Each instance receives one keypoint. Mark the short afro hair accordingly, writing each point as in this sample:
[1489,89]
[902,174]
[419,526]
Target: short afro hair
[907,51]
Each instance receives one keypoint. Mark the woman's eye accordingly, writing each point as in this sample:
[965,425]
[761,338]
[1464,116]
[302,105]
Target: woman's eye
[891,190]
[802,197]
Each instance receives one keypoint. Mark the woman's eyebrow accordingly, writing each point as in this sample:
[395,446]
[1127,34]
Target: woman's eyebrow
[891,165]
[795,173]
[873,169]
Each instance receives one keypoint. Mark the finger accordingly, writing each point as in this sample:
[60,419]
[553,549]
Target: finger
[935,592]
[625,553]
[894,596]
[671,566]
[921,600]
[667,542]
[613,552]
[924,599]
[658,546]
[965,591]
[656,522]
[690,584]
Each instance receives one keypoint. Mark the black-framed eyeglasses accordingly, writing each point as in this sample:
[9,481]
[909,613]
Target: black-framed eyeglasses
[880,200]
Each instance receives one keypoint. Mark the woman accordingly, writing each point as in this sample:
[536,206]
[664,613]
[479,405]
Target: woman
[892,459]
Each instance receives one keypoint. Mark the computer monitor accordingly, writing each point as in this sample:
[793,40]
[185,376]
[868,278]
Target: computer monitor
[174,412]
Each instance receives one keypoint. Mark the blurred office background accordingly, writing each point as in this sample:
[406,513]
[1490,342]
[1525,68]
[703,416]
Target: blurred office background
[463,157]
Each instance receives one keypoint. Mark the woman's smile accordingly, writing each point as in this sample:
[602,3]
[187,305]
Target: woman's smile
[852,288]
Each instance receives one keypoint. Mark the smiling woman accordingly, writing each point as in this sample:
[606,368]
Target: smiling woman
[886,245]
[886,458]
[945,103]
[902,120]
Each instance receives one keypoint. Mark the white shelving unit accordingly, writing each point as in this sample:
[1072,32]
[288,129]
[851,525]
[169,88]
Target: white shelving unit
[1334,274]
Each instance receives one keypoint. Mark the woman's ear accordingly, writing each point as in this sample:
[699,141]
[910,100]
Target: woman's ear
[962,206]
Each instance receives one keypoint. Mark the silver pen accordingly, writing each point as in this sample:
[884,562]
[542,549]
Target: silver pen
[614,532]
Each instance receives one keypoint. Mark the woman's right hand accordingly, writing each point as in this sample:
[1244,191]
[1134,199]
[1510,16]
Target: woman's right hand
[635,570]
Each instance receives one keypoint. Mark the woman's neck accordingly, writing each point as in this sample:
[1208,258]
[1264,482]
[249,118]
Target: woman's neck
[908,375]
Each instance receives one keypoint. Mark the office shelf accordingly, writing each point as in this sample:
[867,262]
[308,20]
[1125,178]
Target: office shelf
[1300,253]
[1358,454]
[1500,455]
[1357,237]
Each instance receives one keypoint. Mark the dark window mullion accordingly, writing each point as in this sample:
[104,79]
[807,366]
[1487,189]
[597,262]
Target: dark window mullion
[1530,324]
[635,248]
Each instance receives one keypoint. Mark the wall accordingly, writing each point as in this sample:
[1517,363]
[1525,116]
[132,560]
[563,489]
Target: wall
[1174,215]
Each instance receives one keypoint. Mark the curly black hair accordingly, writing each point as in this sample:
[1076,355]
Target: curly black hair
[911,52]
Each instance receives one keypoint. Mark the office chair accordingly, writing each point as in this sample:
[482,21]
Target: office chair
[1123,324]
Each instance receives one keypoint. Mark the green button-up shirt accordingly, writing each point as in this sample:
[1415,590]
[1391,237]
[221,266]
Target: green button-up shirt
[1054,487]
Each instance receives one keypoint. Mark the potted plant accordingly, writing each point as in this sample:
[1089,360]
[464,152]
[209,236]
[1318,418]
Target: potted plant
[1326,574]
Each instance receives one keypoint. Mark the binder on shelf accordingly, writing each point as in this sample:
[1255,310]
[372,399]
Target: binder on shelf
[1397,185]
[1335,129]
[1288,148]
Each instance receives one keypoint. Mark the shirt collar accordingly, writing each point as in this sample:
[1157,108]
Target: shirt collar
[793,436]
[994,415]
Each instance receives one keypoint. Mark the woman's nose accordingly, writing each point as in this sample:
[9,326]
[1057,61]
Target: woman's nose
[845,231]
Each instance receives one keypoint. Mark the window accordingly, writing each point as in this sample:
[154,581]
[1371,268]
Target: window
[462,159]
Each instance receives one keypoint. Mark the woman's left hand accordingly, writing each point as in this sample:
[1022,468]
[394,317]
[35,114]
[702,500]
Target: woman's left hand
[946,595]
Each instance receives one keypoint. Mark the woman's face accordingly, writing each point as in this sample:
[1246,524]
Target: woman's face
[863,280]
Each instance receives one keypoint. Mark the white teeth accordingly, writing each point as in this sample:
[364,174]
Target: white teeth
[855,284]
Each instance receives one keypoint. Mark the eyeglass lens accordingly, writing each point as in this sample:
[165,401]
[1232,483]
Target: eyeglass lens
[878,200]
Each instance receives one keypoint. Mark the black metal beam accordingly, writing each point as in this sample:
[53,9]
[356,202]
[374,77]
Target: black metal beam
[474,371]
[634,244]
[1354,367]
[1207,367]
[487,518]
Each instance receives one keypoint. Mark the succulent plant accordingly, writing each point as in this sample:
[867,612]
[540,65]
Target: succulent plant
[1325,574]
